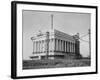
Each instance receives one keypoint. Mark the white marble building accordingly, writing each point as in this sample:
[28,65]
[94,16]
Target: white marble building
[55,44]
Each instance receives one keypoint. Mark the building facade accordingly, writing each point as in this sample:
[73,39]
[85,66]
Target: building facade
[55,44]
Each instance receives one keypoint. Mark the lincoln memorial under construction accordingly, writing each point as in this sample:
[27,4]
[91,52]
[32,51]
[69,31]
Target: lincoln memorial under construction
[49,46]
[55,44]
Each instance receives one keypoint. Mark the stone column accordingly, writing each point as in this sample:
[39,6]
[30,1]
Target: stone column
[37,46]
[33,46]
[53,44]
[70,46]
[74,47]
[42,46]
[65,46]
[57,44]
[49,44]
[62,45]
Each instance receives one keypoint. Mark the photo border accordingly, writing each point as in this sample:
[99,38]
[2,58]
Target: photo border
[14,38]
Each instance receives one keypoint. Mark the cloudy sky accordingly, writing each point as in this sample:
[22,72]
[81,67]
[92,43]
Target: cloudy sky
[70,23]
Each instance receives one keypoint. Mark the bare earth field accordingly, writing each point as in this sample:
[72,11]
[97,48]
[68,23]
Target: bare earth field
[57,63]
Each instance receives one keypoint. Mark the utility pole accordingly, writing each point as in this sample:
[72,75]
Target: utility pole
[52,21]
[89,43]
[47,38]
[47,45]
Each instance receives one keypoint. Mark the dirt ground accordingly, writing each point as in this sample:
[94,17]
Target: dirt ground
[57,63]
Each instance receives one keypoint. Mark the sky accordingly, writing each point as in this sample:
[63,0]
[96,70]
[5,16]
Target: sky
[67,22]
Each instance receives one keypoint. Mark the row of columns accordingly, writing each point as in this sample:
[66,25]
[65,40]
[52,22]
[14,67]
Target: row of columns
[40,46]
[54,45]
[64,46]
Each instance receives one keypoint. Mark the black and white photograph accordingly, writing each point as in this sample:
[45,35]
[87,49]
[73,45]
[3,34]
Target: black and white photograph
[53,39]
[56,39]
